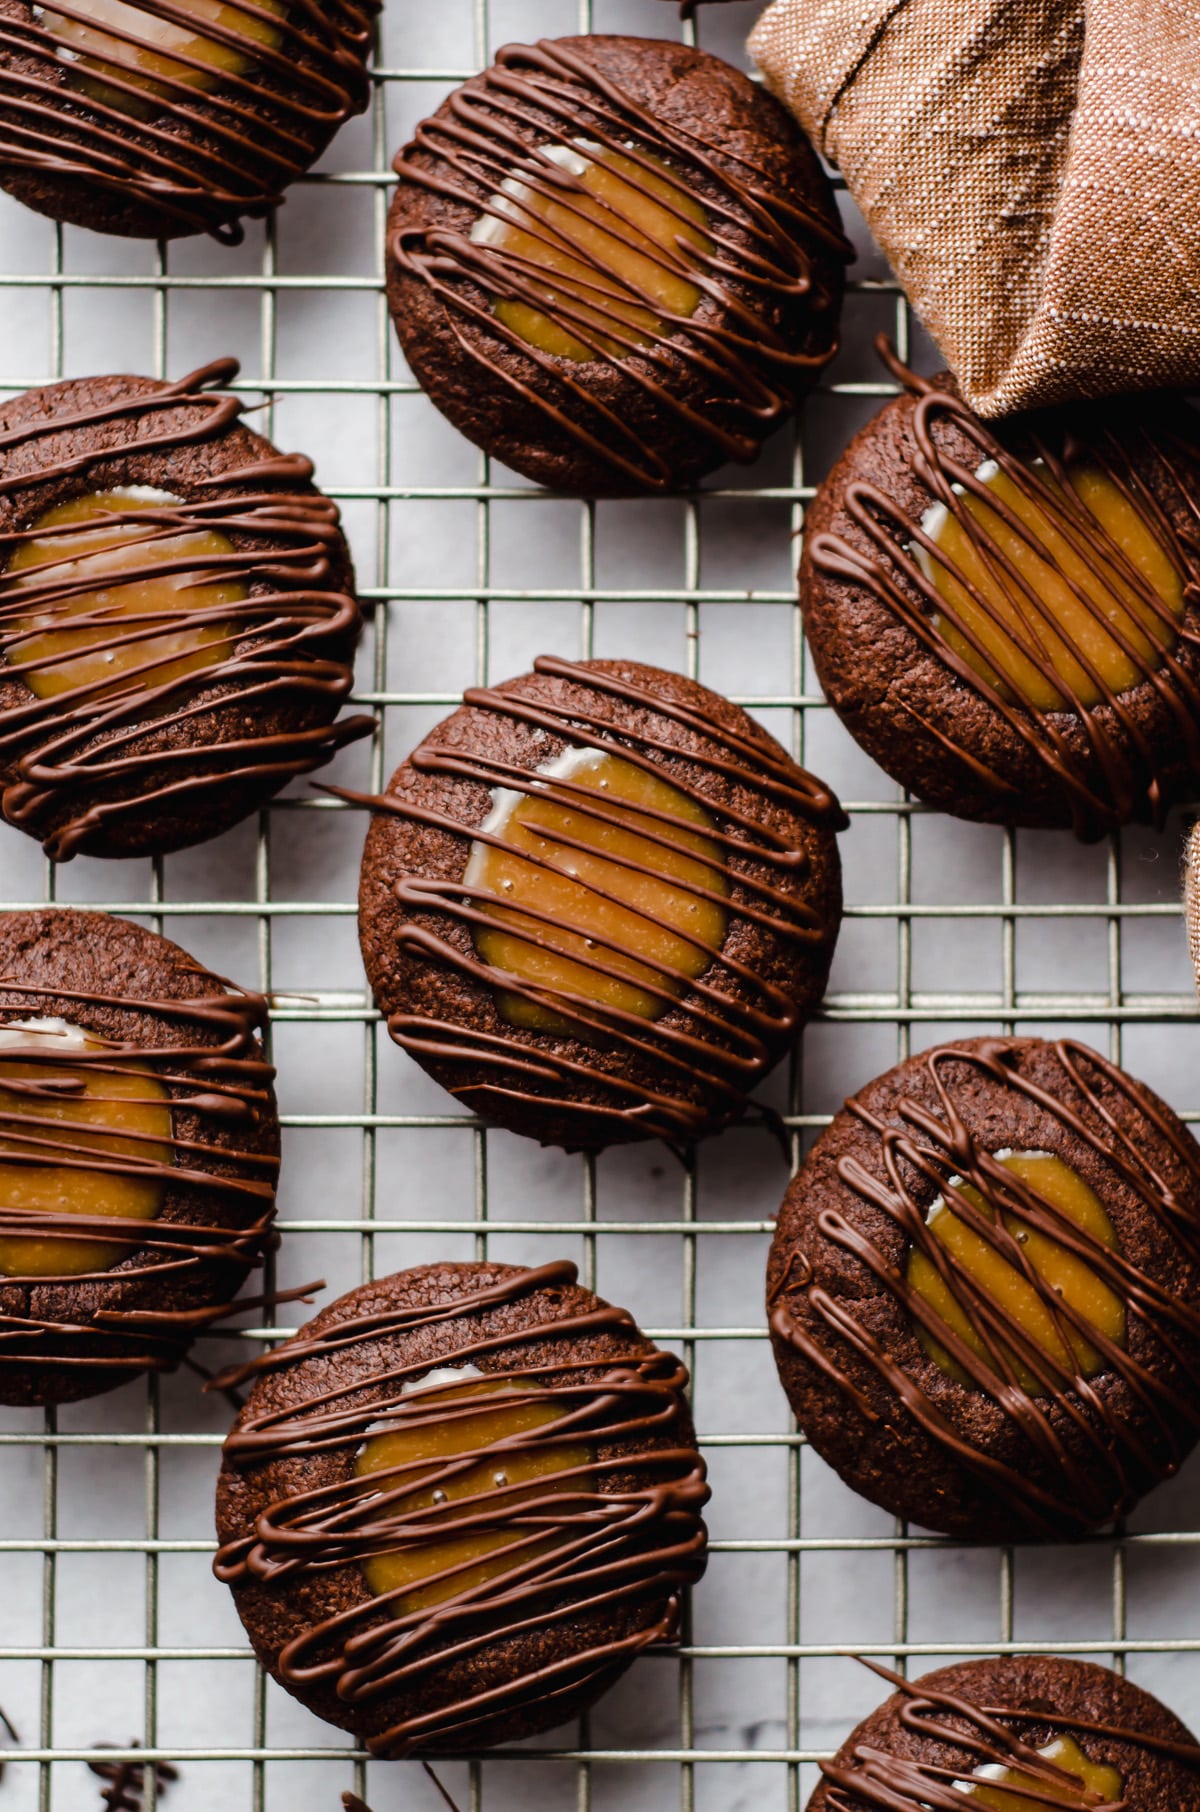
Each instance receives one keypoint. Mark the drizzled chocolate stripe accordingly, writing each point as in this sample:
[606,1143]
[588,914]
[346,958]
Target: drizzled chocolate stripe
[750,367]
[629,1546]
[736,1020]
[214,1073]
[1091,1473]
[1130,784]
[877,1778]
[86,745]
[203,156]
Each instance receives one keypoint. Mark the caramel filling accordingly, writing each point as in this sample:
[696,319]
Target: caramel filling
[453,1465]
[1094,1783]
[53,1108]
[91,590]
[87,42]
[1062,1274]
[619,886]
[1081,602]
[601,250]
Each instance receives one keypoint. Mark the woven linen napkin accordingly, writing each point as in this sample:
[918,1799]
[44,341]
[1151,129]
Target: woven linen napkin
[1191,897]
[1030,167]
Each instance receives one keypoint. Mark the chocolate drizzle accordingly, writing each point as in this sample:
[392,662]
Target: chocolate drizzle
[201,158]
[727,374]
[1104,767]
[878,1778]
[76,765]
[722,1030]
[179,1271]
[1088,1452]
[628,1535]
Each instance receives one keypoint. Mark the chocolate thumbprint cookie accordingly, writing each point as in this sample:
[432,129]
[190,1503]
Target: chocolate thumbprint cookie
[139,1149]
[598,902]
[177,615]
[156,118]
[614,262]
[1007,616]
[459,1503]
[983,1290]
[1018,1733]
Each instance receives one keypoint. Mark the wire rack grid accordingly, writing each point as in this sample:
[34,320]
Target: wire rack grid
[110,1627]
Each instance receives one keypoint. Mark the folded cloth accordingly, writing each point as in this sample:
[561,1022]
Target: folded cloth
[1191,898]
[1030,167]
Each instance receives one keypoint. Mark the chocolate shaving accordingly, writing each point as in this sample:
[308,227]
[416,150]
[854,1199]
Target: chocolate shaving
[127,1780]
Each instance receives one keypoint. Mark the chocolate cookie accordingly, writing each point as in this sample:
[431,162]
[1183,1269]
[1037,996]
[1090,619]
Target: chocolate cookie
[139,1149]
[597,903]
[983,1290]
[130,507]
[123,116]
[1015,1731]
[614,262]
[1007,616]
[459,1503]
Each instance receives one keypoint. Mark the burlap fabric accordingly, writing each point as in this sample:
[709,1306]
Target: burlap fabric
[1030,167]
[1191,897]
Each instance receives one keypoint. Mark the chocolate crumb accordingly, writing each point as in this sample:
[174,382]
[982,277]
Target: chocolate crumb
[127,1780]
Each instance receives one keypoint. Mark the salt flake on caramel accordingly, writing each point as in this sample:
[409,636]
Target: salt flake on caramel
[1008,1788]
[141,50]
[616,863]
[465,1456]
[1032,1305]
[82,1132]
[601,248]
[1040,604]
[112,598]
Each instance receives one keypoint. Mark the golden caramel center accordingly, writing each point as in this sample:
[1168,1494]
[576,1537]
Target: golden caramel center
[600,254]
[61,1122]
[107,608]
[1070,600]
[465,1451]
[1097,1783]
[1063,1275]
[122,40]
[619,863]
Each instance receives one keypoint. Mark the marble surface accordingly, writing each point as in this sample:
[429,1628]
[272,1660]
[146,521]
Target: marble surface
[272,904]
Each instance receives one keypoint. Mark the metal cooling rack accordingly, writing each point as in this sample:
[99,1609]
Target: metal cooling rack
[110,1627]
